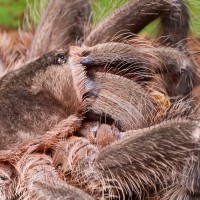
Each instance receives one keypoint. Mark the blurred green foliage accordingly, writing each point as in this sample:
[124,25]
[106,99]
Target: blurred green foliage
[11,13]
[194,9]
[101,8]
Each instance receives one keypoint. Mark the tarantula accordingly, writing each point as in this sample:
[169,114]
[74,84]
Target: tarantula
[100,115]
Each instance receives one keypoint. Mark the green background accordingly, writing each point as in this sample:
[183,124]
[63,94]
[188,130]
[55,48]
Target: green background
[11,13]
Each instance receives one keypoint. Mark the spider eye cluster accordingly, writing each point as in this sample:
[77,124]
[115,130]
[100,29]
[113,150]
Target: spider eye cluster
[61,59]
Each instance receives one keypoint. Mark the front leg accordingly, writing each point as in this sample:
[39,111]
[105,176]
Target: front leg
[62,24]
[134,15]
[149,161]
[169,68]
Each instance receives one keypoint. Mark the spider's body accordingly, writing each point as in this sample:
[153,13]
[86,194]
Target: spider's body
[106,121]
[33,98]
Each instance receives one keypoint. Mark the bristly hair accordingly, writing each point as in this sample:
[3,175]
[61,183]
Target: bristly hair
[9,54]
[59,27]
[156,151]
[130,17]
[169,67]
